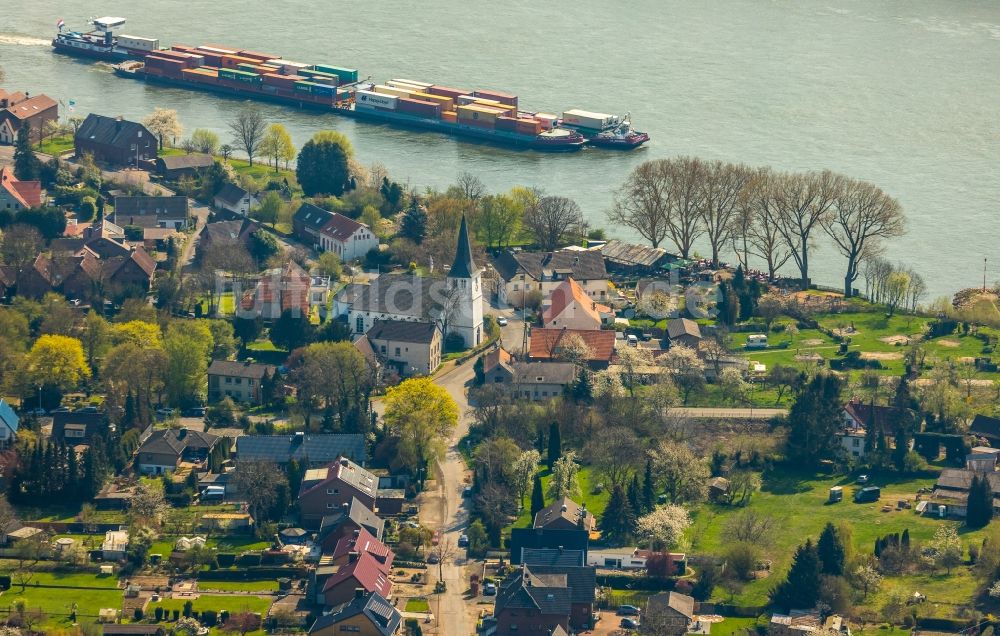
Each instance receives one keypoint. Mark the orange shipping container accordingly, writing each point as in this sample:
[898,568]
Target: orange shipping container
[449,115]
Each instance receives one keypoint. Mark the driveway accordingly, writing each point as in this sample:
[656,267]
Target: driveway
[200,213]
[445,510]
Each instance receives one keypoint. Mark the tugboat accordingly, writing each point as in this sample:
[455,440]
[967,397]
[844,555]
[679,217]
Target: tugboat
[99,43]
[622,136]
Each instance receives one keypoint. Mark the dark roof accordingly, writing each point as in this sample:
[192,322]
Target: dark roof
[680,603]
[312,217]
[463,266]
[563,509]
[403,331]
[524,588]
[581,265]
[320,448]
[527,538]
[631,254]
[552,556]
[883,418]
[581,579]
[91,423]
[961,479]
[110,131]
[683,327]
[175,441]
[986,426]
[402,294]
[359,513]
[373,606]
[179,162]
[175,207]
[223,231]
[231,193]
[236,368]
[544,373]
[341,227]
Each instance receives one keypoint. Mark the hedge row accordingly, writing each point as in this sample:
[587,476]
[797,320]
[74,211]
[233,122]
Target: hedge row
[627,581]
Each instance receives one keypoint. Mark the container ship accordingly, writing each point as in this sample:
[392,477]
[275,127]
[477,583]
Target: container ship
[485,115]
[101,43]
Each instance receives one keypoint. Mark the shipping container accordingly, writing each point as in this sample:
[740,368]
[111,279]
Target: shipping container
[411,82]
[529,126]
[447,103]
[138,44]
[419,107]
[398,92]
[211,59]
[503,98]
[276,63]
[587,119]
[287,81]
[548,121]
[410,87]
[183,48]
[259,56]
[378,100]
[506,123]
[453,93]
[218,49]
[233,61]
[449,116]
[472,112]
[346,75]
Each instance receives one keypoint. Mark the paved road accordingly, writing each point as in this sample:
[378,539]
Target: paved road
[445,510]
[727,413]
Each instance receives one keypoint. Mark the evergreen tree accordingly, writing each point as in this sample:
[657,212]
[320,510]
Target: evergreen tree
[555,444]
[26,165]
[648,488]
[728,307]
[414,224]
[905,541]
[801,589]
[635,495]
[618,519]
[583,389]
[980,506]
[814,419]
[832,554]
[537,497]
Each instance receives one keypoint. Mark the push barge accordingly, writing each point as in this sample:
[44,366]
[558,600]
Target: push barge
[486,115]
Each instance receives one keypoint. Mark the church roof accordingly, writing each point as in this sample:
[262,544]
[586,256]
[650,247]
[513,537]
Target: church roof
[463,267]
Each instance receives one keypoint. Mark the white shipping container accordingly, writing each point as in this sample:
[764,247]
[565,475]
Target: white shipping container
[548,121]
[587,119]
[138,43]
[409,87]
[379,100]
[465,100]
[410,82]
[398,92]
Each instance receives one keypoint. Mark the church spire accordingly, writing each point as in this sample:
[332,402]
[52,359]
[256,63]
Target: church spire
[463,267]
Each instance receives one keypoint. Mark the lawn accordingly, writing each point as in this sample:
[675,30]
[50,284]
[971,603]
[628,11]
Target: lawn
[232,604]
[733,625]
[588,482]
[57,145]
[417,605]
[797,501]
[58,602]
[239,586]
[223,544]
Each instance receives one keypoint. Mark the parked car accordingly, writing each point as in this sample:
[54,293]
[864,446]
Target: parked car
[463,541]
[467,491]
[627,610]
[629,623]
[489,589]
[164,413]
[433,558]
[198,411]
[36,411]
[88,409]
[62,409]
[862,479]
[502,321]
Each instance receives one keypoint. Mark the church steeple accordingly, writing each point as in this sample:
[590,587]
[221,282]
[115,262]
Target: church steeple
[463,267]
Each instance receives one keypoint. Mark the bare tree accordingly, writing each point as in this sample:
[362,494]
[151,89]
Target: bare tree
[916,290]
[685,222]
[750,526]
[552,220]
[722,187]
[614,451]
[443,550]
[796,204]
[644,202]
[260,483]
[248,129]
[471,186]
[20,245]
[861,216]
[765,241]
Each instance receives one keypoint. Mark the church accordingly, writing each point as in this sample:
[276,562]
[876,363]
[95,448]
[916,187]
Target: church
[454,304]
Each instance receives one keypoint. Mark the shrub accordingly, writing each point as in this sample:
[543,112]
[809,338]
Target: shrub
[209,618]
[158,614]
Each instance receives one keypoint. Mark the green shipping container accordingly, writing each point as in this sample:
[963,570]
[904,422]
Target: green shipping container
[345,74]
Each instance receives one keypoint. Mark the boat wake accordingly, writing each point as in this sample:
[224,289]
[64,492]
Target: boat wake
[14,39]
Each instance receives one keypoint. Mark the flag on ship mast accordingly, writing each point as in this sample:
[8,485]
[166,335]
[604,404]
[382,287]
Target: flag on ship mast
[72,105]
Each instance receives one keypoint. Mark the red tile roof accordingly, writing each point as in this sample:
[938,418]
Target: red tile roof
[365,572]
[545,343]
[27,193]
[566,293]
[341,227]
[31,106]
[365,542]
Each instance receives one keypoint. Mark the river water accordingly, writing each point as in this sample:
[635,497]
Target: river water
[904,94]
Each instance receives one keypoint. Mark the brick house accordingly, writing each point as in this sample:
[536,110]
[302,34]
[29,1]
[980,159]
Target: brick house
[361,541]
[327,489]
[336,584]
[351,518]
[535,600]
[238,380]
[115,141]
[147,211]
[18,109]
[166,448]
[367,614]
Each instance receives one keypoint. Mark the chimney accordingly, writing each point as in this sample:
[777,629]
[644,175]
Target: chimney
[298,438]
[359,592]
[560,549]
[357,533]
[346,507]
[182,433]
[343,462]
[563,508]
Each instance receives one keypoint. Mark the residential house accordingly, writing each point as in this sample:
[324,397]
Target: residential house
[177,166]
[217,235]
[35,280]
[286,288]
[632,259]
[569,306]
[553,557]
[9,423]
[20,109]
[523,540]
[342,523]
[367,614]
[347,238]
[497,365]
[314,449]
[337,584]
[16,194]
[534,380]
[411,348]
[685,332]
[235,199]
[326,489]
[524,272]
[565,514]
[148,211]
[239,380]
[672,613]
[806,623]
[115,141]
[115,544]
[308,221]
[950,496]
[75,428]
[165,449]
[133,272]
[535,600]
[361,541]
[858,419]
[636,559]
[546,344]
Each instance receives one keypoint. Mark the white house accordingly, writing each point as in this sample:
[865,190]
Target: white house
[524,272]
[235,199]
[8,424]
[114,546]
[347,238]
[569,306]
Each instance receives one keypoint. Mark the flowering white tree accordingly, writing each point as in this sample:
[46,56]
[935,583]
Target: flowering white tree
[563,483]
[869,578]
[631,361]
[686,369]
[524,469]
[664,527]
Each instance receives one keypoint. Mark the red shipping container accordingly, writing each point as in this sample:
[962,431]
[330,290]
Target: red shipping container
[285,81]
[262,57]
[506,123]
[174,55]
[183,48]
[529,126]
[419,107]
[503,98]
[444,91]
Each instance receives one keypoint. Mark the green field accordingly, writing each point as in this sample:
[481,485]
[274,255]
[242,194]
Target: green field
[56,146]
[418,605]
[239,586]
[57,602]
[232,604]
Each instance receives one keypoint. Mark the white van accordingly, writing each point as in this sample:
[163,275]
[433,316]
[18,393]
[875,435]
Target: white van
[756,341]
[632,340]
